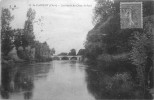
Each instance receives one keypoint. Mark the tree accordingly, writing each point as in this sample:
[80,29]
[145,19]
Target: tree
[106,8]
[108,38]
[142,51]
[42,51]
[18,37]
[81,52]
[96,43]
[28,36]
[63,54]
[6,32]
[72,52]
[53,51]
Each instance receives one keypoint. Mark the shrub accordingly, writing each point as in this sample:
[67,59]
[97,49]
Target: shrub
[112,64]
[121,86]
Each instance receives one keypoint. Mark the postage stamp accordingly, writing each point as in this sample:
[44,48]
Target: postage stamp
[131,15]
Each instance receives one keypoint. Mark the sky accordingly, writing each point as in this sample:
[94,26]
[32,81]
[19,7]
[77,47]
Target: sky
[63,27]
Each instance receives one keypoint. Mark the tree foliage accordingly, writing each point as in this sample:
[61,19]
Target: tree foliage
[107,38]
[53,51]
[63,54]
[28,28]
[72,52]
[23,39]
[6,32]
[107,8]
[103,10]
[18,38]
[142,49]
[81,52]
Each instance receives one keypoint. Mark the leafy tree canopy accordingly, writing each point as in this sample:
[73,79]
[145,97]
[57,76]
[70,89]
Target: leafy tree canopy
[72,52]
[6,32]
[62,54]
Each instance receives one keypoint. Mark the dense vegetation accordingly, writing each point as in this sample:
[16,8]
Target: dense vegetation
[23,40]
[6,32]
[121,53]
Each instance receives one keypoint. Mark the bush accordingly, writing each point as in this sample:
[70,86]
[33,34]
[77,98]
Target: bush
[112,64]
[121,86]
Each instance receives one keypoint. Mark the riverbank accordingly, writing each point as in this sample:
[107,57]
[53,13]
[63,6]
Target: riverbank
[119,78]
[11,61]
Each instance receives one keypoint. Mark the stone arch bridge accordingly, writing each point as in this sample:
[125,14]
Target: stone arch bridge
[78,57]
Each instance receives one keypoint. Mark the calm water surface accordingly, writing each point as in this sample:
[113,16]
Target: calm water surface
[57,80]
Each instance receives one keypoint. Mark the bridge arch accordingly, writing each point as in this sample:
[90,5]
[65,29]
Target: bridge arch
[55,58]
[65,58]
[73,58]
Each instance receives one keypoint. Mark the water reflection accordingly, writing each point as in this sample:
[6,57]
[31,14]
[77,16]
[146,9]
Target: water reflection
[14,81]
[103,86]
[62,80]
[6,81]
[19,79]
[93,83]
[23,82]
[57,80]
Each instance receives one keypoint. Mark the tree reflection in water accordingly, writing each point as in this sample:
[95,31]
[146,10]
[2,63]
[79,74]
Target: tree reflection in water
[15,81]
[93,83]
[103,86]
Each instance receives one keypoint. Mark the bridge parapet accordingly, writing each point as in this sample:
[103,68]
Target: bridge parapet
[78,58]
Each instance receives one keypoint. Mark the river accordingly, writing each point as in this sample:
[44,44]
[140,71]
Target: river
[56,80]
[64,80]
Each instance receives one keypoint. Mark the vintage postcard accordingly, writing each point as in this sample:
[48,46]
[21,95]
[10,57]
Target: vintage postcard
[76,49]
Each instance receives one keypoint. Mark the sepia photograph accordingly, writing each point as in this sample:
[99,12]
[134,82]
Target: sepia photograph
[77,49]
